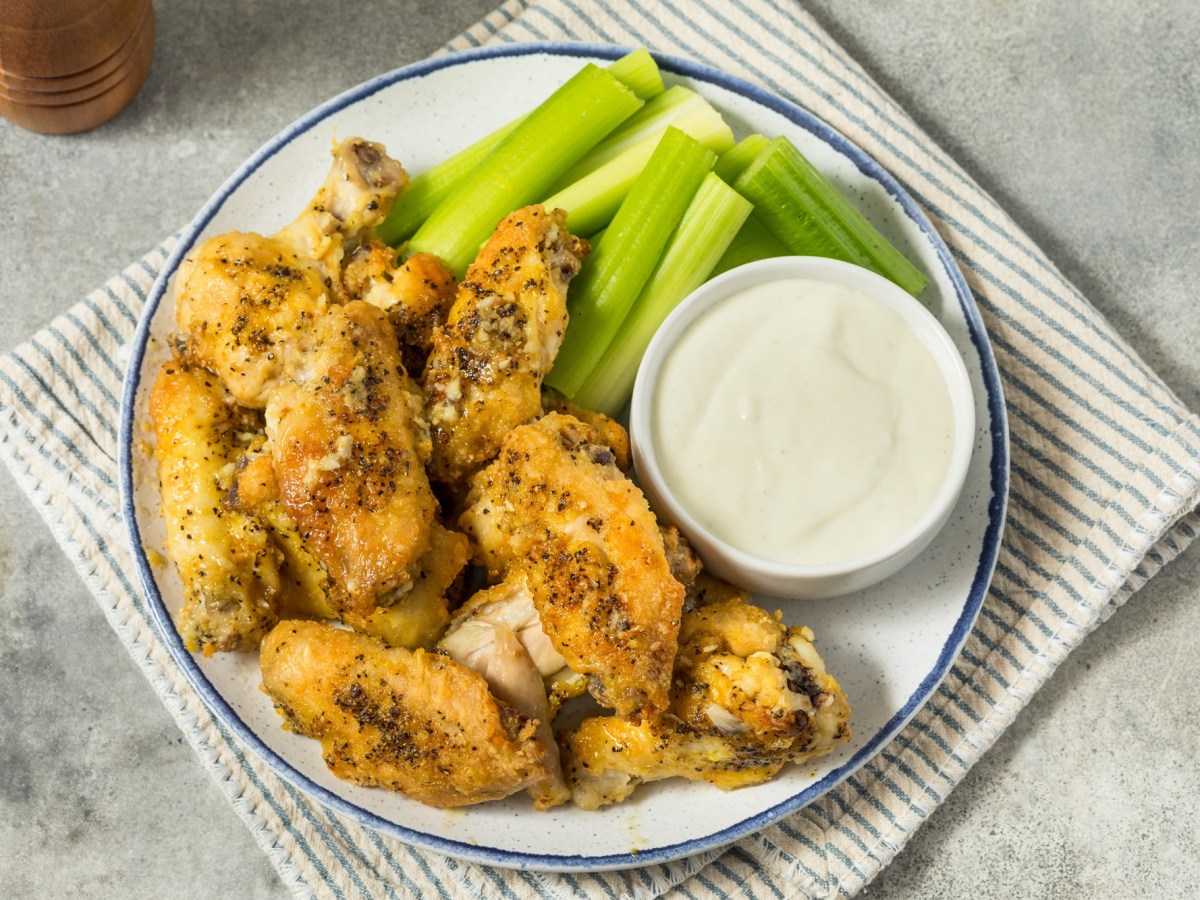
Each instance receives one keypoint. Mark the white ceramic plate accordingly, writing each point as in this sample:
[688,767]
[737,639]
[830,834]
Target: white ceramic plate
[888,646]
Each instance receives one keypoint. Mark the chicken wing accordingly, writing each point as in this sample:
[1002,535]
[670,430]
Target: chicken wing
[554,507]
[749,696]
[415,617]
[359,190]
[484,375]
[244,306]
[416,294]
[245,302]
[406,720]
[345,441]
[225,558]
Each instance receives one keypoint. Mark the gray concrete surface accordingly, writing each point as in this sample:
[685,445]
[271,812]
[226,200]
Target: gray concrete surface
[1082,118]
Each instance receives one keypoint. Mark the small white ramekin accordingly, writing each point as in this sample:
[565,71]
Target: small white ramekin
[768,576]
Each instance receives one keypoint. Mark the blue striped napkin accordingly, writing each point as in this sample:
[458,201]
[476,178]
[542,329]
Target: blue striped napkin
[1105,483]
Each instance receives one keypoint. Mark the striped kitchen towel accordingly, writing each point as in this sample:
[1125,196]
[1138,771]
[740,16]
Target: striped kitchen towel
[1105,466]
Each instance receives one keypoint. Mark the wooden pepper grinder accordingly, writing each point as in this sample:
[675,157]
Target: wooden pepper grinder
[70,65]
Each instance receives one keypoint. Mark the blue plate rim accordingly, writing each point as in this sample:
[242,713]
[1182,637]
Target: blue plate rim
[999,466]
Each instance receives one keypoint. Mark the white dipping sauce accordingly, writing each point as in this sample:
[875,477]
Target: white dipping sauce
[803,422]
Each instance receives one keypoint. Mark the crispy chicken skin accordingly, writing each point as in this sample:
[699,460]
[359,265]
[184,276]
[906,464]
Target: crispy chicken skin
[484,374]
[416,617]
[244,306]
[416,294]
[406,720]
[749,695]
[554,506]
[345,445]
[225,558]
[612,432]
[245,302]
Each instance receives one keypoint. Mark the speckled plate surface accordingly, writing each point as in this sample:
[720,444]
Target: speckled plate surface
[889,646]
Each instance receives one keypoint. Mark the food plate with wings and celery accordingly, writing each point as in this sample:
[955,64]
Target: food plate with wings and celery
[379,486]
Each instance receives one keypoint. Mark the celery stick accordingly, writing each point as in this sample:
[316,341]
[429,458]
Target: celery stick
[712,219]
[637,70]
[752,243]
[593,200]
[426,191]
[651,119]
[733,162]
[677,106]
[811,218]
[625,256]
[522,167]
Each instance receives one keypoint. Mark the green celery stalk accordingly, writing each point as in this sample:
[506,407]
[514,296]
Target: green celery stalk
[811,218]
[521,168]
[752,243]
[425,192]
[636,70]
[594,199]
[623,259]
[708,226]
[734,161]
[678,106]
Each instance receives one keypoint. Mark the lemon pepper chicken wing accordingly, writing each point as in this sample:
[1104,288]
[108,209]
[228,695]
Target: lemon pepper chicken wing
[416,294]
[406,720]
[360,189]
[415,617]
[554,506]
[245,302]
[244,306]
[224,557]
[347,451]
[484,374]
[749,696]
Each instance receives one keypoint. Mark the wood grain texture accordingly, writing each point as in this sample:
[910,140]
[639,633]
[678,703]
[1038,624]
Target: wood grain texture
[70,65]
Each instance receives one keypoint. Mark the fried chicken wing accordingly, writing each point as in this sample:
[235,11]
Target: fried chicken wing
[416,294]
[245,302]
[415,617]
[612,433]
[749,696]
[554,507]
[359,190]
[345,442]
[420,612]
[484,374]
[244,306]
[225,558]
[406,720]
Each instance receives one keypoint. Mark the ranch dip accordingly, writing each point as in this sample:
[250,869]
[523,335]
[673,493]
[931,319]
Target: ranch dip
[803,422]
